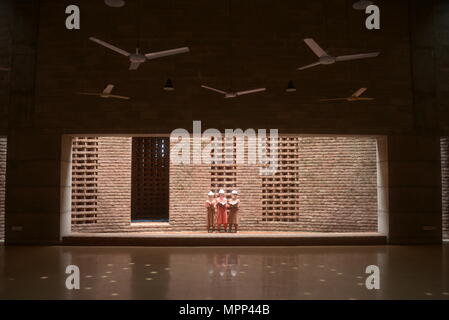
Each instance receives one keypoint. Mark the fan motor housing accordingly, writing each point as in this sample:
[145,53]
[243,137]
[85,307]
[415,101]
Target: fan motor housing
[327,60]
[137,58]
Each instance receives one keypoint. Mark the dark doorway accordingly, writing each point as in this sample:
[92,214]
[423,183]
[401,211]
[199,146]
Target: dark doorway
[150,179]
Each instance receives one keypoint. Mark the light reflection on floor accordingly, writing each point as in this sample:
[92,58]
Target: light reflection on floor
[420,272]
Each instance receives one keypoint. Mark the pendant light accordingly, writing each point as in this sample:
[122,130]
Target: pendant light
[114,3]
[169,85]
[290,86]
[361,4]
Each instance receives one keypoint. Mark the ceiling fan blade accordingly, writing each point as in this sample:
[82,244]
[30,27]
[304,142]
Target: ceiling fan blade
[213,89]
[310,66]
[241,93]
[134,65]
[357,56]
[365,99]
[359,92]
[315,48]
[166,53]
[110,46]
[119,97]
[108,89]
[336,99]
[4,69]
[89,93]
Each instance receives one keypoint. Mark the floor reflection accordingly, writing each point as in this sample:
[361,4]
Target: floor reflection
[419,272]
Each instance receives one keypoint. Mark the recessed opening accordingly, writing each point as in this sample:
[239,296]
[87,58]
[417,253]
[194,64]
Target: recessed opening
[323,184]
[150,179]
[3,153]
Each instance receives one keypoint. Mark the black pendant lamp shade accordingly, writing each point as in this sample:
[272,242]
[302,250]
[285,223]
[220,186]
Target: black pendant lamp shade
[290,86]
[169,85]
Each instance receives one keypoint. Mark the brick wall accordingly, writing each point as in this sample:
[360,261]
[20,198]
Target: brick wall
[114,182]
[445,185]
[2,185]
[336,183]
[338,187]
[113,189]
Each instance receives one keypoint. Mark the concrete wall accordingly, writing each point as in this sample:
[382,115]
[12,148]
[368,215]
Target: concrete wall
[5,62]
[445,185]
[49,63]
[414,189]
[3,142]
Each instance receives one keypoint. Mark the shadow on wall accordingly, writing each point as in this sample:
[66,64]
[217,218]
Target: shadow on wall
[444,142]
[3,143]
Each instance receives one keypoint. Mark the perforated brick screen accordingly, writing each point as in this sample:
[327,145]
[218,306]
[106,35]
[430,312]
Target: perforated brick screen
[280,193]
[224,174]
[84,180]
[150,174]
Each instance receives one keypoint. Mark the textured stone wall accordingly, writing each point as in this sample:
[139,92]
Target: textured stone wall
[3,142]
[336,178]
[445,185]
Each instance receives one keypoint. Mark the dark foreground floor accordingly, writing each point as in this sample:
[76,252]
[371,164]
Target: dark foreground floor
[420,272]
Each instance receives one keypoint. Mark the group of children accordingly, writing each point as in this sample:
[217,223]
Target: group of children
[217,211]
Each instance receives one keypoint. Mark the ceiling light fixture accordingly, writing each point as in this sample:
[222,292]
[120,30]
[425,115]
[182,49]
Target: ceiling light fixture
[290,86]
[362,4]
[169,85]
[114,3]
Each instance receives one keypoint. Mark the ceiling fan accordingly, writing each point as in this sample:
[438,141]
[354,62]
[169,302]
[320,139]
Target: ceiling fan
[106,93]
[356,96]
[325,58]
[233,94]
[136,59]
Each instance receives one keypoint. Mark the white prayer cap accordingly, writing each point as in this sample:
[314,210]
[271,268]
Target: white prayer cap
[234,192]
[221,191]
[210,193]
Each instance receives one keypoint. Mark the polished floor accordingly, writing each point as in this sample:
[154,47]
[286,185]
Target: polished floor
[418,272]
